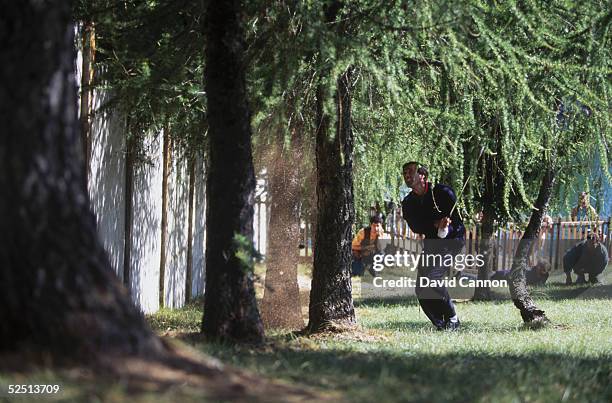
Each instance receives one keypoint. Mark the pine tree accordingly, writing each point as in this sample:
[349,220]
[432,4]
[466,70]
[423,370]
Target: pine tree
[230,309]
[60,294]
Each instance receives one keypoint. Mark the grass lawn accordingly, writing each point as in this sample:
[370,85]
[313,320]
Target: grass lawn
[395,355]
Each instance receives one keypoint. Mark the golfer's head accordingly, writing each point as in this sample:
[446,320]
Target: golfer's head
[415,175]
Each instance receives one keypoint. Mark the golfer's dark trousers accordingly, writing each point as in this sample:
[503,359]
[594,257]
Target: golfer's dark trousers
[435,301]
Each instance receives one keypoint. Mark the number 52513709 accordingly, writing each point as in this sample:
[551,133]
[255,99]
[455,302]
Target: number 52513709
[32,389]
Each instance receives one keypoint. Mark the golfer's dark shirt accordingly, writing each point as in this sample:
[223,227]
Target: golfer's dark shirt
[420,212]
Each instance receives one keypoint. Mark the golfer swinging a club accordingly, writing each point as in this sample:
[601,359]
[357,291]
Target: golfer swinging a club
[430,210]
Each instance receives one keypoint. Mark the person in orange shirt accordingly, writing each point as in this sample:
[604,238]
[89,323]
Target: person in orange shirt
[365,245]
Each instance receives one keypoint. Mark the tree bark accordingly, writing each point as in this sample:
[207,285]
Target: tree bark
[59,293]
[87,74]
[130,157]
[189,271]
[166,167]
[492,202]
[281,306]
[230,309]
[517,283]
[331,301]
[491,199]
[487,249]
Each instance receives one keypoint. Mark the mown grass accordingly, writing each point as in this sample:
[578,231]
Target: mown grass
[395,355]
[492,358]
[188,319]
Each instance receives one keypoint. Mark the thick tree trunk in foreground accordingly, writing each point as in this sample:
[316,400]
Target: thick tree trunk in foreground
[331,301]
[281,306]
[59,293]
[230,309]
[517,283]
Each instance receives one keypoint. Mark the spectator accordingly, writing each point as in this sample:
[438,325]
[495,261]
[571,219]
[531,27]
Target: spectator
[585,212]
[537,275]
[586,257]
[538,251]
[365,245]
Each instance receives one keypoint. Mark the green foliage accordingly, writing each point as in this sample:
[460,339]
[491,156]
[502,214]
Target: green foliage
[478,69]
[448,85]
[150,60]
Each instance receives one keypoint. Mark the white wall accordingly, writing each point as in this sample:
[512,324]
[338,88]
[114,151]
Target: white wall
[107,181]
[178,227]
[106,185]
[146,227]
[199,230]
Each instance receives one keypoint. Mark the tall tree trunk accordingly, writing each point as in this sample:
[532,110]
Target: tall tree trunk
[189,271]
[166,167]
[492,202]
[281,306]
[487,249]
[517,283]
[130,157]
[330,295]
[230,309]
[59,293]
[87,74]
[489,200]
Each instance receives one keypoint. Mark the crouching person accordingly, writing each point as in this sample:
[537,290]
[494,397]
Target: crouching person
[586,257]
[537,275]
[365,245]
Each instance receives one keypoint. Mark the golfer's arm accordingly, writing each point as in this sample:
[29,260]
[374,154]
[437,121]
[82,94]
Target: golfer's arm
[447,200]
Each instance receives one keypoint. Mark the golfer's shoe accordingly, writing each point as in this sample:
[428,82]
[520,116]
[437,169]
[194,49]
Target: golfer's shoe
[581,279]
[568,280]
[450,326]
[594,280]
[453,326]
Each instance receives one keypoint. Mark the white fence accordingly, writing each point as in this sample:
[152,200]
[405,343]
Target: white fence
[108,173]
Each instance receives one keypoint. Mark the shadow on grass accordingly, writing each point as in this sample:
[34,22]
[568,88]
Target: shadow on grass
[375,302]
[405,376]
[424,326]
[552,291]
[404,325]
[558,291]
[394,301]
